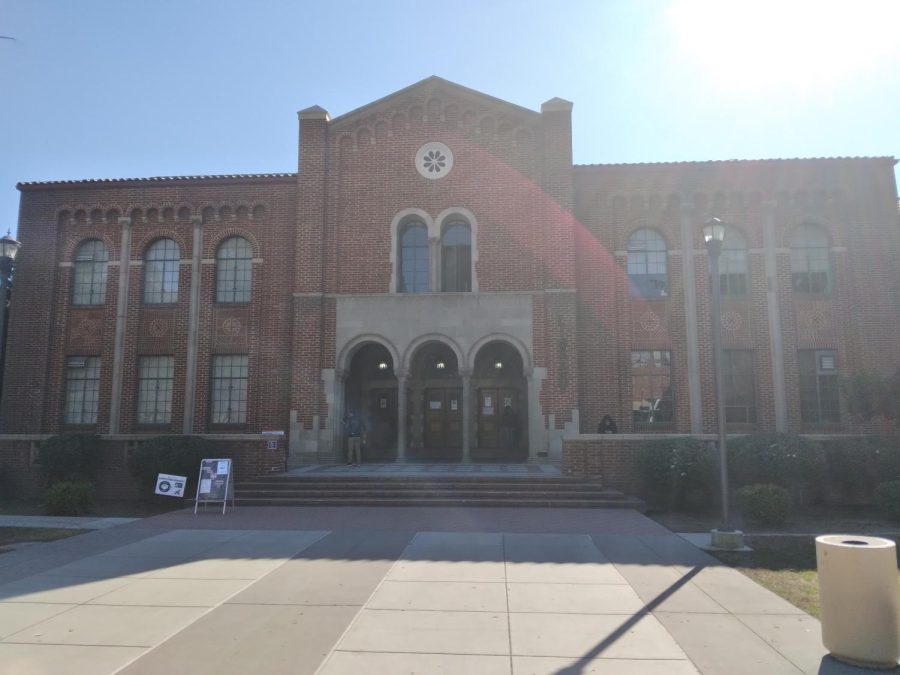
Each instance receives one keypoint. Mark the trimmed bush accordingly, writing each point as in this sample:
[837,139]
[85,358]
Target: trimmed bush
[179,455]
[887,497]
[69,498]
[766,504]
[677,473]
[70,457]
[855,465]
[787,460]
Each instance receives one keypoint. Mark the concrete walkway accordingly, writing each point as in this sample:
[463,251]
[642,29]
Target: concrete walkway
[347,590]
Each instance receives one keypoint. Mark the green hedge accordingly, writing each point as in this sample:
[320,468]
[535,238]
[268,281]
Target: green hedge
[70,457]
[179,455]
[681,473]
[766,504]
[69,498]
[677,473]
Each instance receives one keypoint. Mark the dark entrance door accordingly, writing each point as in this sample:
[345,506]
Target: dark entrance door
[381,425]
[500,421]
[443,423]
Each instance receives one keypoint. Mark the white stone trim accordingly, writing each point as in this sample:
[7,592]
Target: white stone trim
[349,349]
[502,337]
[413,347]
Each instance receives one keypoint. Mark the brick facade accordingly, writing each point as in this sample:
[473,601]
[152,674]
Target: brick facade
[547,234]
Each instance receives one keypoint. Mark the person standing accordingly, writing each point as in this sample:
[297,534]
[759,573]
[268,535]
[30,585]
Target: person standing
[355,430]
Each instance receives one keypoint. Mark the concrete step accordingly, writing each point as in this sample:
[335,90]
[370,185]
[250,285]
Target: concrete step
[623,503]
[398,493]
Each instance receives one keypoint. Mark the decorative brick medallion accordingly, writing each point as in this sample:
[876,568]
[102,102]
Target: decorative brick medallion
[434,160]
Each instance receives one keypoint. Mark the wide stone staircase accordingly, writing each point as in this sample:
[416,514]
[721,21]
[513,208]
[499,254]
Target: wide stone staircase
[347,489]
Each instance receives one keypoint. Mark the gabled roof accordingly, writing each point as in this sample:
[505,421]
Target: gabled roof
[429,84]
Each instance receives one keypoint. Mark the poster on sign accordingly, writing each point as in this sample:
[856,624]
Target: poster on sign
[214,483]
[170,486]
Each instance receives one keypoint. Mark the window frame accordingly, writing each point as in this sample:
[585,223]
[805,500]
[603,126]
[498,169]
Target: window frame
[243,402]
[92,264]
[730,377]
[222,274]
[659,361]
[407,227]
[830,415]
[167,399]
[734,255]
[640,253]
[85,388]
[802,255]
[456,224]
[166,267]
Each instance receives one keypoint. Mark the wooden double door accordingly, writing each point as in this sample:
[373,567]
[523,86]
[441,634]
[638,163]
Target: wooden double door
[501,423]
[443,423]
[381,425]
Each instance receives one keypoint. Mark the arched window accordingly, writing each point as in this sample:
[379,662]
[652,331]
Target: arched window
[161,272]
[234,270]
[414,264]
[91,262]
[810,260]
[647,264]
[456,258]
[733,276]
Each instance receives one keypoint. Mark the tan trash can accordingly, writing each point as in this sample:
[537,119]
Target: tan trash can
[858,599]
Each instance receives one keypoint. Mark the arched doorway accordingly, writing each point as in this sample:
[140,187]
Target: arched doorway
[502,406]
[435,396]
[371,392]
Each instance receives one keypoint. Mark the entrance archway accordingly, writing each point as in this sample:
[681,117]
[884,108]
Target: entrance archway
[371,392]
[436,408]
[501,397]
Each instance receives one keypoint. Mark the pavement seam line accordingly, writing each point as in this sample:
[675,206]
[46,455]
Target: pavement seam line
[322,535]
[739,617]
[363,606]
[506,593]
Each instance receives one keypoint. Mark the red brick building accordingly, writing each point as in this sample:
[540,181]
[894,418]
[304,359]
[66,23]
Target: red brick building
[440,266]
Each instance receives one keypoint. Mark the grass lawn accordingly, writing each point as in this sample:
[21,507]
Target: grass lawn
[18,535]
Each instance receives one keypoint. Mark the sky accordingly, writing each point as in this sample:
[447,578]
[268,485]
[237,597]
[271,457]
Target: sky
[128,88]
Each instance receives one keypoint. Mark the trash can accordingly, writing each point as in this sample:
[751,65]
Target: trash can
[858,599]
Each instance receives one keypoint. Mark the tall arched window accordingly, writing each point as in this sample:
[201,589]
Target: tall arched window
[810,260]
[414,263]
[91,262]
[733,276]
[234,270]
[161,272]
[647,264]
[456,258]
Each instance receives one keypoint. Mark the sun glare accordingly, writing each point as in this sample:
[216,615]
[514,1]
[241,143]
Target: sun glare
[801,44]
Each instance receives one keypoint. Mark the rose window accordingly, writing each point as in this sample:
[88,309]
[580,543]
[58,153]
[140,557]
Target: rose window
[434,160]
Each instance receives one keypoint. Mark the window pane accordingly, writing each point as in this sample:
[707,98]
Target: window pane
[652,400]
[739,384]
[456,258]
[229,389]
[647,264]
[161,272]
[414,259]
[810,260]
[91,263]
[234,270]
[156,375]
[819,387]
[82,390]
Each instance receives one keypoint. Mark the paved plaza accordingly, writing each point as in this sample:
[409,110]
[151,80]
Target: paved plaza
[393,590]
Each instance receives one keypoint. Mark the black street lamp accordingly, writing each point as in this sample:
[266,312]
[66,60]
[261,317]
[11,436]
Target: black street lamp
[9,247]
[725,536]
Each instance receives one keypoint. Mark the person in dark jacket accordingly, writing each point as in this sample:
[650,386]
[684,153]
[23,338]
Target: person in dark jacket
[355,429]
[607,426]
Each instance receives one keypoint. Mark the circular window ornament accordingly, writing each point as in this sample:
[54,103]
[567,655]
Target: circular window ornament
[434,160]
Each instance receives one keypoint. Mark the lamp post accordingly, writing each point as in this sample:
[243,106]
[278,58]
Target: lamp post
[725,536]
[9,247]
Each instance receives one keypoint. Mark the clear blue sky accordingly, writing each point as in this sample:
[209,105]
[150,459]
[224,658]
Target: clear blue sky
[116,88]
